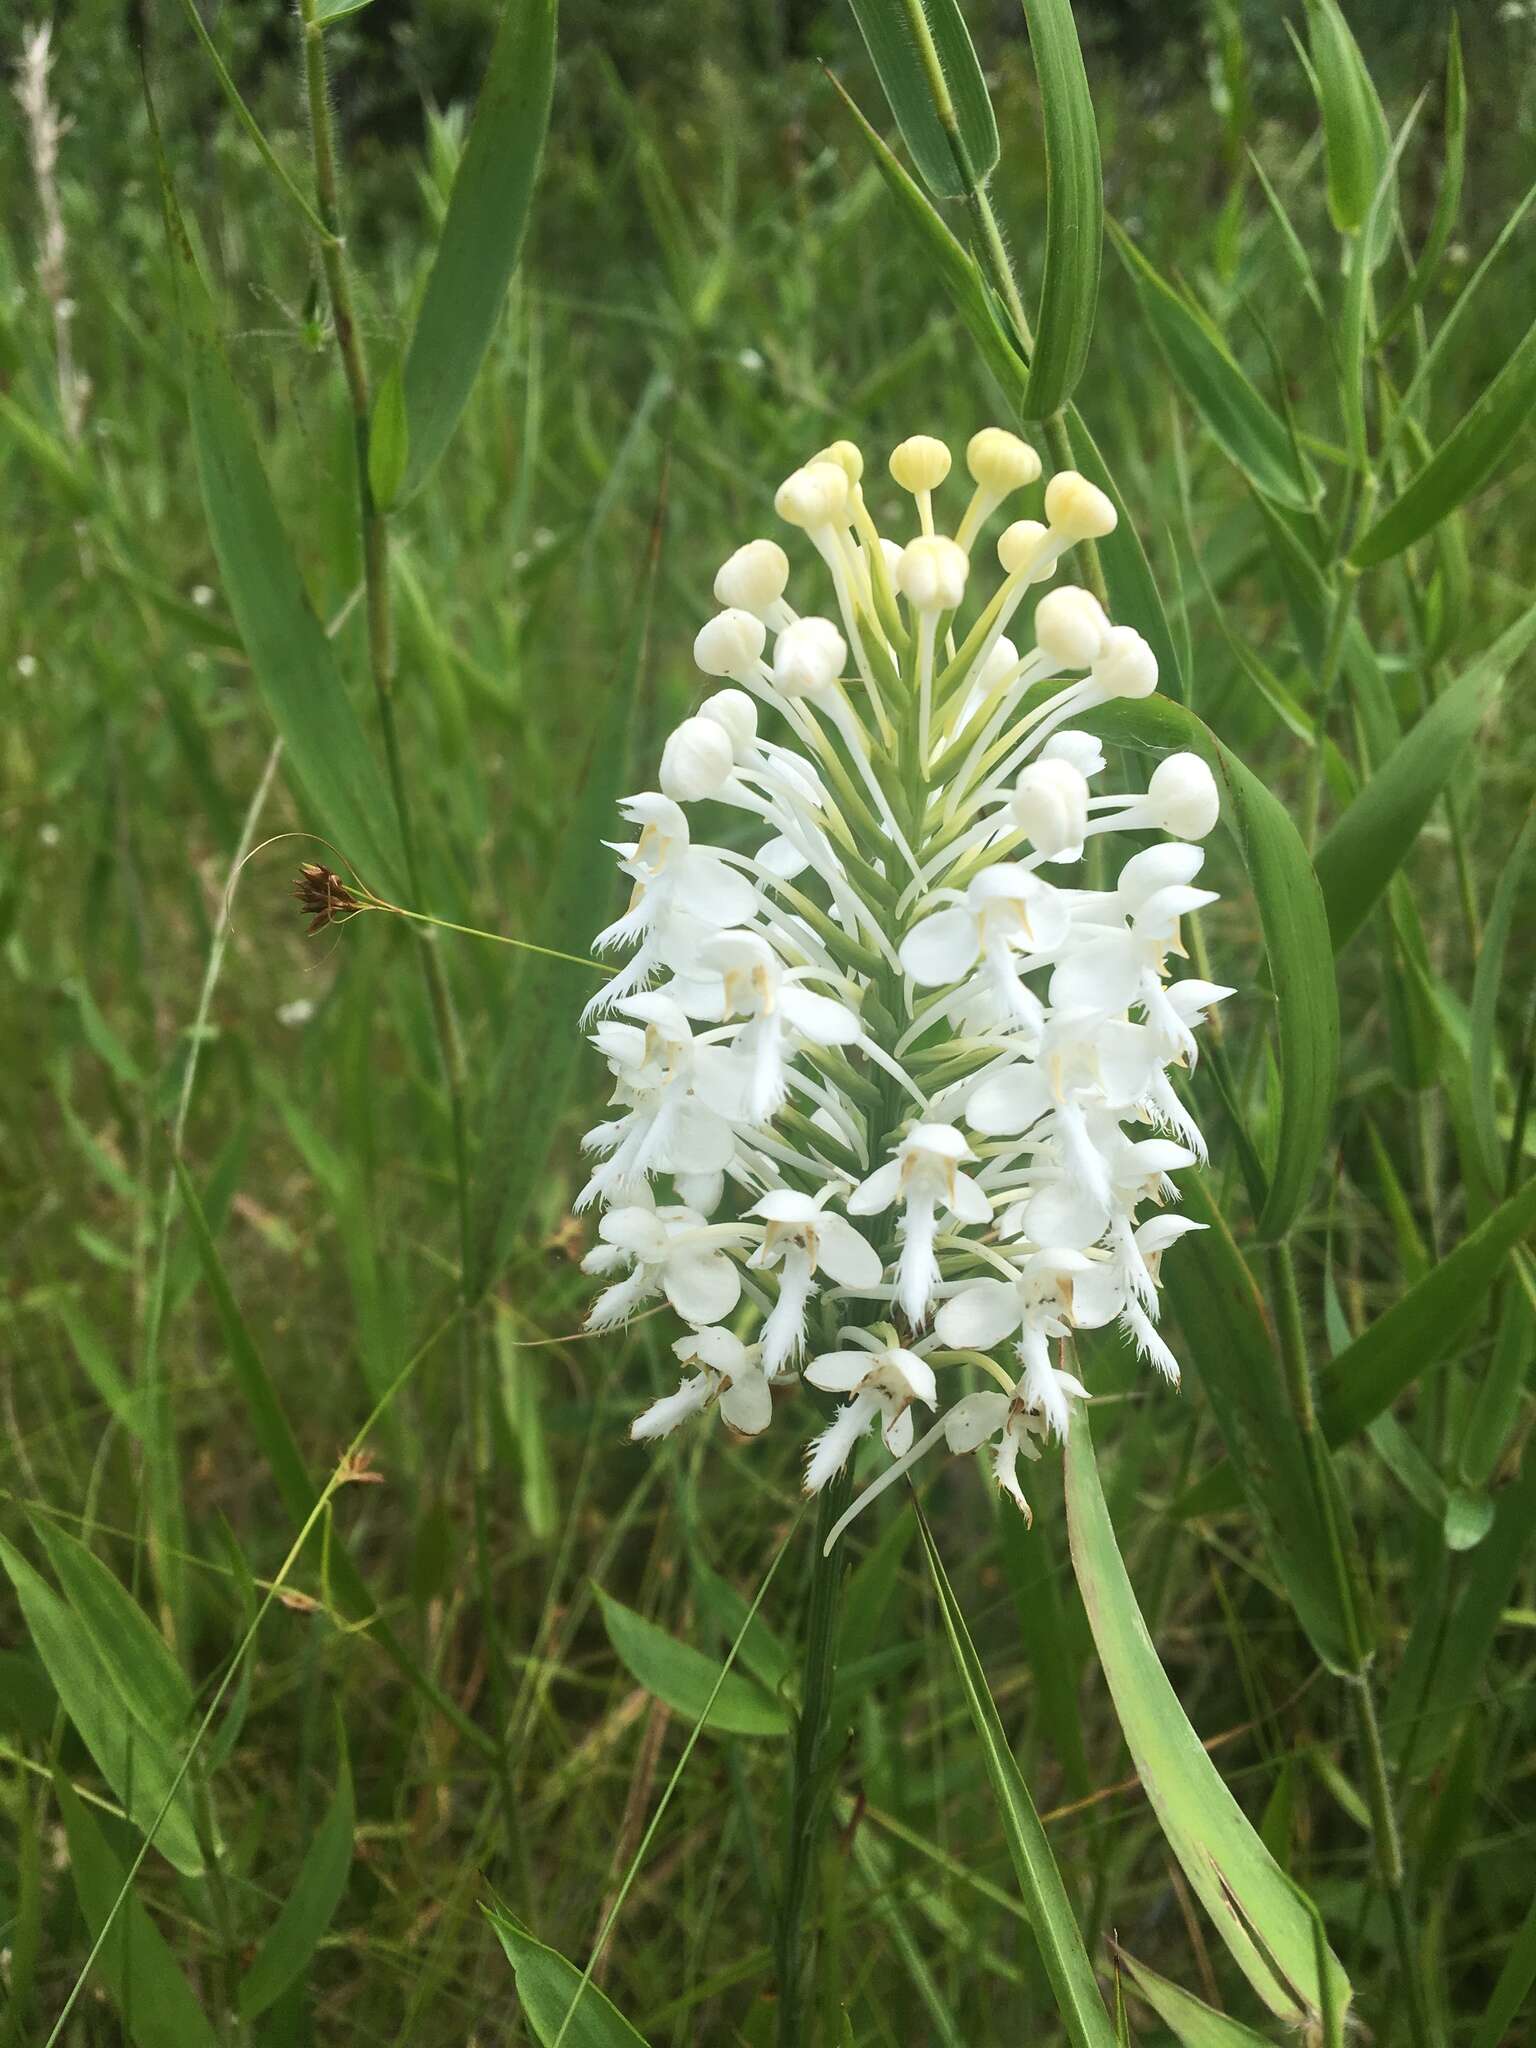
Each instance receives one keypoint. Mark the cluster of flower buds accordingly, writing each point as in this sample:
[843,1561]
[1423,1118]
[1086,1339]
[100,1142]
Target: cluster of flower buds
[892,1107]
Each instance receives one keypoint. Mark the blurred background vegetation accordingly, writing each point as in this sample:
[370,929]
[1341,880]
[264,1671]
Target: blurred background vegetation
[714,286]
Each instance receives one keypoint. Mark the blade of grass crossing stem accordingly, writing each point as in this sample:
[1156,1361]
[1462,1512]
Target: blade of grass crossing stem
[1189,2019]
[1296,941]
[310,1907]
[292,659]
[1354,127]
[952,159]
[548,1985]
[483,234]
[1483,438]
[1074,211]
[537,1056]
[1251,1902]
[1072,1981]
[1373,837]
[685,1678]
[138,1757]
[1227,1339]
[136,1967]
[1240,419]
[1487,984]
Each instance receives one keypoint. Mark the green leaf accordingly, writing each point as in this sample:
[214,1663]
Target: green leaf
[483,233]
[1074,211]
[1487,985]
[140,1973]
[684,1678]
[291,657]
[1050,1914]
[1500,1392]
[310,1907]
[1515,1980]
[149,1681]
[1296,941]
[389,440]
[139,1762]
[328,11]
[1373,837]
[537,1056]
[1241,422]
[1191,2022]
[1475,448]
[937,93]
[1354,127]
[1227,1339]
[1448,201]
[547,1986]
[1251,1903]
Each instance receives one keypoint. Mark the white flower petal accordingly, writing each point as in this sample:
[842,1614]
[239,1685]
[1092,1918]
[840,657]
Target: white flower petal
[702,1286]
[877,1193]
[943,948]
[979,1316]
[845,1256]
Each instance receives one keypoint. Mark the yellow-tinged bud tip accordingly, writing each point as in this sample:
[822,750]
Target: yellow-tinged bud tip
[1019,545]
[1000,462]
[931,574]
[920,464]
[848,458]
[1078,508]
[814,496]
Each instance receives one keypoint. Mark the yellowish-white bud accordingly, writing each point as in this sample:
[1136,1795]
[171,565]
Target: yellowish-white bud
[808,656]
[1050,804]
[920,464]
[735,711]
[813,497]
[697,761]
[754,578]
[931,574]
[731,644]
[1002,661]
[1077,508]
[848,458]
[1127,667]
[1019,546]
[1184,794]
[1000,462]
[1071,627]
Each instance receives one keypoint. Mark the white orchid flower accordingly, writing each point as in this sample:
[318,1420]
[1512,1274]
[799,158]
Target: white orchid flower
[801,1239]
[924,1177]
[883,1386]
[730,1373]
[672,1251]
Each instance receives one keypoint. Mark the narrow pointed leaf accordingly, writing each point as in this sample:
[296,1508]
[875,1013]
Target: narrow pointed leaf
[684,1678]
[311,1906]
[1354,128]
[138,1763]
[1072,1981]
[1074,210]
[483,233]
[136,1966]
[148,1680]
[952,157]
[1373,837]
[1476,447]
[293,661]
[1426,268]
[1486,986]
[1248,1898]
[547,1986]
[1189,2019]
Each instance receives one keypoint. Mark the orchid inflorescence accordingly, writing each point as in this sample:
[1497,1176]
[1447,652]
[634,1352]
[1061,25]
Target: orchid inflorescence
[867,1052]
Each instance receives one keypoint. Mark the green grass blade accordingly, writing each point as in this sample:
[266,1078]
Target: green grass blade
[953,155]
[1354,128]
[310,1907]
[547,1986]
[150,1683]
[686,1679]
[136,1966]
[1296,941]
[1487,985]
[1515,1981]
[483,234]
[1072,1981]
[1074,210]
[1373,837]
[292,659]
[1250,1901]
[1426,269]
[1189,2019]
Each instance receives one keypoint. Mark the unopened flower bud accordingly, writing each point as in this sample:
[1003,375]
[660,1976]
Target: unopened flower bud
[920,464]
[1083,749]
[808,656]
[1050,804]
[932,572]
[891,551]
[753,579]
[1019,545]
[735,711]
[1127,667]
[848,458]
[697,761]
[730,645]
[1168,866]
[1002,661]
[1071,627]
[1183,792]
[813,497]
[1078,508]
[1000,462]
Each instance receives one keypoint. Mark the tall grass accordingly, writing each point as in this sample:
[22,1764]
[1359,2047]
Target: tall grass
[311,1481]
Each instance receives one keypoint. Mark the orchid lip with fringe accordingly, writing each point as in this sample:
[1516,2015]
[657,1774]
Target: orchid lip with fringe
[873,1046]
